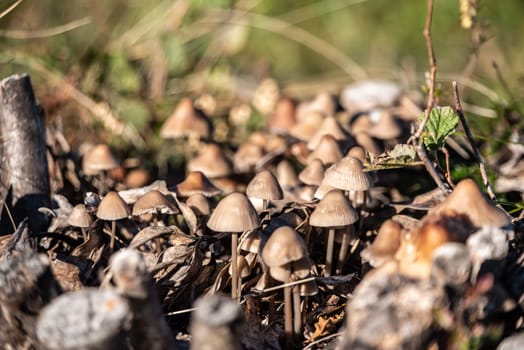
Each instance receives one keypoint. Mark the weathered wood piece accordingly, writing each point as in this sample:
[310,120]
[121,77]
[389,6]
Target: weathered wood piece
[89,319]
[23,151]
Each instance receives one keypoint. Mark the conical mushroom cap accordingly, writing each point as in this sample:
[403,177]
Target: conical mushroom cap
[329,126]
[243,267]
[247,156]
[334,210]
[284,246]
[467,199]
[80,217]
[327,150]
[385,126]
[197,183]
[313,173]
[97,159]
[212,161]
[298,269]
[265,186]
[385,244]
[286,175]
[357,152]
[322,190]
[306,128]
[322,103]
[234,213]
[199,204]
[152,202]
[185,121]
[112,207]
[284,117]
[348,175]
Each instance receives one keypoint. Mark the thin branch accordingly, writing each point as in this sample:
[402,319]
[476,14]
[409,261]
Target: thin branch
[10,8]
[44,33]
[463,121]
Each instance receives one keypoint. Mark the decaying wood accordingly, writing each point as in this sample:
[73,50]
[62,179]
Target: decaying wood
[23,151]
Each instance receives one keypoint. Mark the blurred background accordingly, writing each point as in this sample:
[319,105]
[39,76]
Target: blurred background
[95,63]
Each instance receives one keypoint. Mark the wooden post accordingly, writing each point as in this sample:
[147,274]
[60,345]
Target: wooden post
[23,159]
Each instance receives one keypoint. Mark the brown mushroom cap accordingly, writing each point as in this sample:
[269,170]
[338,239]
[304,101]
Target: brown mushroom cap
[334,210]
[467,199]
[152,202]
[186,120]
[327,150]
[313,173]
[299,269]
[196,183]
[234,213]
[264,186]
[307,127]
[80,216]
[98,158]
[329,126]
[199,204]
[247,156]
[348,175]
[385,244]
[322,103]
[112,207]
[284,116]
[243,267]
[385,125]
[212,161]
[251,243]
[284,246]
[286,174]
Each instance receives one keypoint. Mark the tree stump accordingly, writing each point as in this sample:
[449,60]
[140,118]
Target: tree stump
[24,171]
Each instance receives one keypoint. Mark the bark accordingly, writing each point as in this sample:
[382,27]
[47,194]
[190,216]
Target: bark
[23,152]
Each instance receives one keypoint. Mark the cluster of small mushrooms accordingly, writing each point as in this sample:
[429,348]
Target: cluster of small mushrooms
[311,245]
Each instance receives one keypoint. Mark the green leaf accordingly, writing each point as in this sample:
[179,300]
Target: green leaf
[442,122]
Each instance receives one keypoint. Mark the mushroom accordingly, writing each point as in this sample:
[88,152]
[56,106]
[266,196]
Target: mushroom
[264,186]
[306,128]
[196,183]
[98,161]
[283,118]
[211,161]
[234,214]
[329,126]
[327,150]
[384,125]
[112,208]
[313,173]
[385,245]
[80,217]
[334,211]
[153,202]
[286,175]
[247,156]
[285,253]
[467,199]
[200,204]
[188,121]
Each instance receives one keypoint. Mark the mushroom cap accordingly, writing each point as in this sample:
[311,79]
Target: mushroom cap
[299,269]
[327,150]
[284,246]
[234,213]
[199,204]
[329,126]
[348,175]
[247,156]
[284,116]
[112,207]
[313,173]
[80,216]
[368,143]
[286,174]
[186,120]
[97,159]
[357,152]
[385,244]
[265,186]
[137,178]
[385,125]
[251,243]
[212,161]
[242,266]
[152,202]
[306,128]
[334,210]
[322,103]
[467,199]
[197,183]
[323,189]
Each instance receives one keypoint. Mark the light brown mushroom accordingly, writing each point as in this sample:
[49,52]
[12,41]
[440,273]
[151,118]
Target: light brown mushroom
[112,208]
[334,211]
[329,126]
[196,183]
[153,202]
[211,161]
[234,214]
[384,125]
[186,120]
[283,118]
[348,175]
[286,175]
[327,150]
[313,173]
[200,204]
[385,245]
[80,217]
[98,161]
[264,186]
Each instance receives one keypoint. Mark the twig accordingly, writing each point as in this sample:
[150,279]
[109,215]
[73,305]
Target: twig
[448,171]
[471,140]
[415,137]
[334,335]
[44,33]
[10,8]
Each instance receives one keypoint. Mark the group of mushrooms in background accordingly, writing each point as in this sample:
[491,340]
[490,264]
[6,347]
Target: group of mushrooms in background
[307,242]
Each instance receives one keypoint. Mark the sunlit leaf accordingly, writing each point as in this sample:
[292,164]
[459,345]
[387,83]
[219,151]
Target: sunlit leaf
[441,123]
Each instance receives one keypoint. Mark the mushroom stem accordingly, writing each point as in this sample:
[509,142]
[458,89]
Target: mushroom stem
[113,231]
[102,184]
[362,208]
[344,247]
[265,204]
[234,265]
[288,314]
[329,251]
[297,316]
[84,233]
